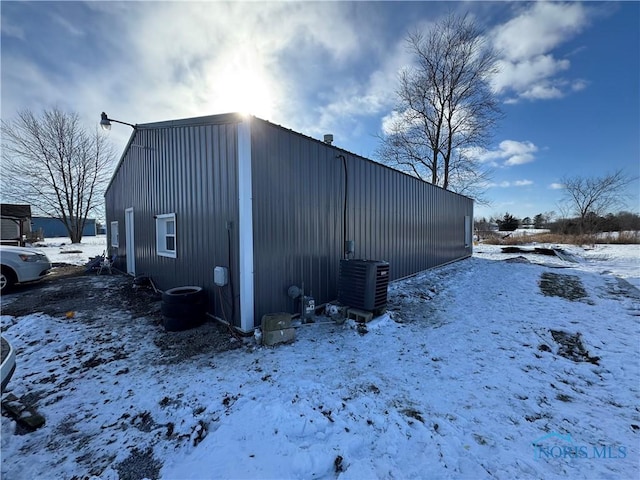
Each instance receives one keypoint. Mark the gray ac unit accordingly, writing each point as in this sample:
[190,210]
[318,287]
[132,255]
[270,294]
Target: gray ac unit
[363,284]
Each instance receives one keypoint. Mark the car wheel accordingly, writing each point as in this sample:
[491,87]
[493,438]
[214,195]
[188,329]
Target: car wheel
[7,279]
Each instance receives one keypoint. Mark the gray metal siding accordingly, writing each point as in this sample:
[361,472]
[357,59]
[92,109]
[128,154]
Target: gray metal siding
[298,186]
[190,171]
[297,217]
[400,219]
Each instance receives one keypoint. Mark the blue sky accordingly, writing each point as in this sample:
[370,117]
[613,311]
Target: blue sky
[569,81]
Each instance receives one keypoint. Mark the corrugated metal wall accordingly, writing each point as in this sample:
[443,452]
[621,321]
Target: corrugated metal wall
[189,170]
[400,219]
[299,192]
[298,187]
[10,229]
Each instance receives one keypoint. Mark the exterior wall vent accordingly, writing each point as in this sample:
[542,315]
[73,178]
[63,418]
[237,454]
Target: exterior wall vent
[363,284]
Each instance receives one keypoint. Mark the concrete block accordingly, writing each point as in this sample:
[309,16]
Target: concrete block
[276,321]
[275,337]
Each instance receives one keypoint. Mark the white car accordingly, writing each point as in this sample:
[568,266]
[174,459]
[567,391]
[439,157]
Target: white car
[21,265]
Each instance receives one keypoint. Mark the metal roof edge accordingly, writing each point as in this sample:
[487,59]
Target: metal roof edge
[217,119]
[236,117]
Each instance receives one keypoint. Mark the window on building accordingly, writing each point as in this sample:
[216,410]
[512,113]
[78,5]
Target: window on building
[114,234]
[166,235]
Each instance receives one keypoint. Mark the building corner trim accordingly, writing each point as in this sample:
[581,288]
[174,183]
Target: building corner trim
[245,226]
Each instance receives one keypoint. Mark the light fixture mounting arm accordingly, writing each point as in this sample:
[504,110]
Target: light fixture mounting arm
[105,122]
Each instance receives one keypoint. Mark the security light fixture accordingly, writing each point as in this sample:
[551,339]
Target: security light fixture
[105,122]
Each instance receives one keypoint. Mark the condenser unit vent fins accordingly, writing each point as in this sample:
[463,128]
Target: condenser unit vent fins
[363,284]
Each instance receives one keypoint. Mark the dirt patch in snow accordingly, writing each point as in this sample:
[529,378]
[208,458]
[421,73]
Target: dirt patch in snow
[84,298]
[139,465]
[60,270]
[69,289]
[211,337]
[550,252]
[571,347]
[560,285]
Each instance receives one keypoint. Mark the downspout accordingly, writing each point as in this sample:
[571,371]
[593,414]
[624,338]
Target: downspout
[346,249]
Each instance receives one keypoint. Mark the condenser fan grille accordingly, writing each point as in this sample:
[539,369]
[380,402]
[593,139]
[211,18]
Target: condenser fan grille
[363,284]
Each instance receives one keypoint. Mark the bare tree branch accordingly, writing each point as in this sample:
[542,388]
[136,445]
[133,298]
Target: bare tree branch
[591,197]
[56,166]
[444,106]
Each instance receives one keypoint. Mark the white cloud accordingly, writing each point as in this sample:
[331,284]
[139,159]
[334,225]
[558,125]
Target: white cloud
[394,121]
[12,30]
[522,75]
[389,121]
[578,85]
[507,184]
[67,25]
[556,186]
[539,29]
[528,68]
[351,100]
[522,183]
[509,153]
[517,153]
[542,91]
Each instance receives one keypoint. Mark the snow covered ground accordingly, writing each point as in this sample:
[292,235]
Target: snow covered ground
[623,261]
[61,250]
[476,371]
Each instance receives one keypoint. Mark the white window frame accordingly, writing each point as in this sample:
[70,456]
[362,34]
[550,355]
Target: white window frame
[115,234]
[161,235]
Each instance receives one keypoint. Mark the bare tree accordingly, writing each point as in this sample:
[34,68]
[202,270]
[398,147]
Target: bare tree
[445,107]
[591,197]
[54,164]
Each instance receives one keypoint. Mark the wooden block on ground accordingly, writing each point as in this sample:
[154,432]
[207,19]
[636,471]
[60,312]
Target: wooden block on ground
[358,315]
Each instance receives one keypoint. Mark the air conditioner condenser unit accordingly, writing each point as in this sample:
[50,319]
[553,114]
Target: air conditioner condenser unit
[363,284]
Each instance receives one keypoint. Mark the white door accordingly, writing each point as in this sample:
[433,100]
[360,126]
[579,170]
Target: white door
[468,231]
[129,238]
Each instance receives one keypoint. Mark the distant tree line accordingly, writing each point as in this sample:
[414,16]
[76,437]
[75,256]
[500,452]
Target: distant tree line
[590,223]
[509,223]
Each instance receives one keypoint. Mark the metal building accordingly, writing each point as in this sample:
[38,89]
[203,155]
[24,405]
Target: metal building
[274,208]
[15,223]
[55,227]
